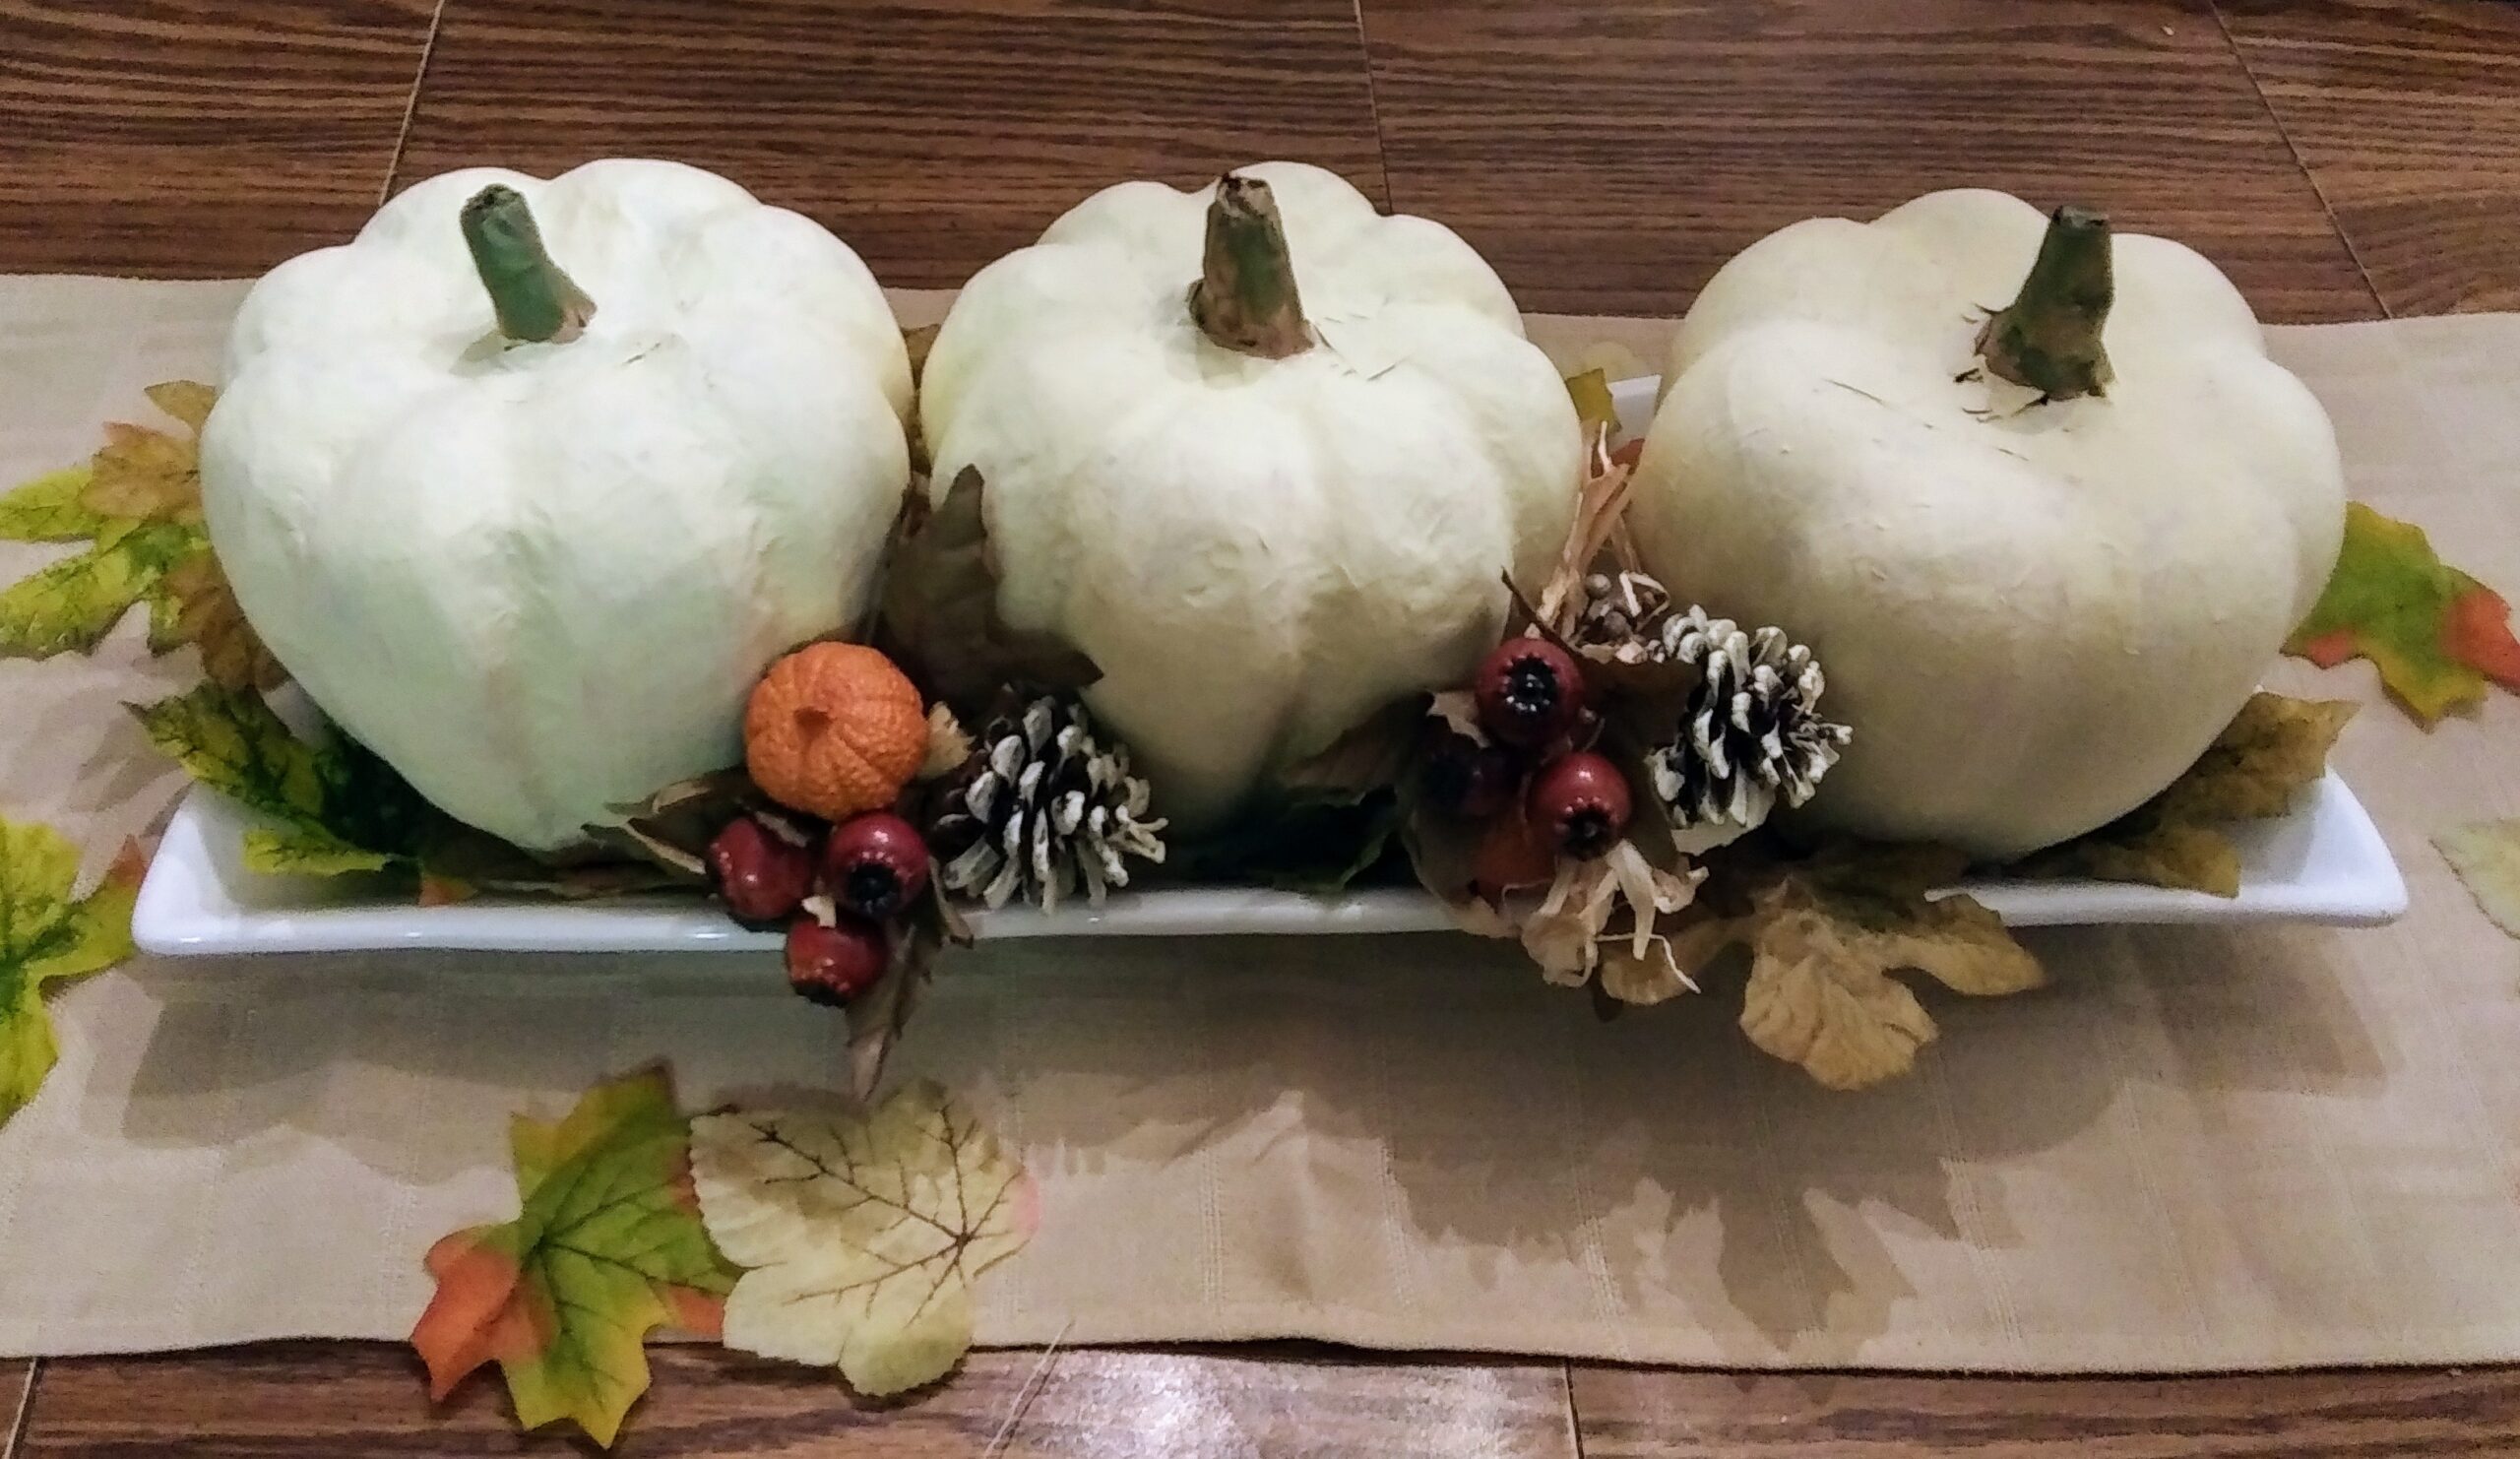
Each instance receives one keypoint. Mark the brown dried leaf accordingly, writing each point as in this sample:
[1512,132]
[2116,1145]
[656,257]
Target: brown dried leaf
[1371,756]
[939,617]
[1825,934]
[200,608]
[2272,751]
[878,1015]
[144,474]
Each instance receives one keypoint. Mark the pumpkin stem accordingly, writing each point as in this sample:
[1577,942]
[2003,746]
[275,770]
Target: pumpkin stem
[1245,297]
[535,303]
[2050,338]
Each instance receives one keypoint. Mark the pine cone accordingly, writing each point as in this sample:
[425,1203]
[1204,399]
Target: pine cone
[1752,732]
[1623,612]
[1044,809]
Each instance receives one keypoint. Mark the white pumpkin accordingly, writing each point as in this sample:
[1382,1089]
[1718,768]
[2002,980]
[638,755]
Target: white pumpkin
[1265,502]
[2037,602]
[539,579]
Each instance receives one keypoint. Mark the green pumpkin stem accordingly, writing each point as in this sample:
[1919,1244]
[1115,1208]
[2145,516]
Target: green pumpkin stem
[2050,338]
[535,303]
[1245,297]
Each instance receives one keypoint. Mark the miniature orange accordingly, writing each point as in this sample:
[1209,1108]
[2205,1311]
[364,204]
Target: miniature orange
[833,730]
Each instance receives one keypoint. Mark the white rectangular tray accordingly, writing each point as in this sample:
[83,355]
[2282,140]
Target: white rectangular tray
[2325,862]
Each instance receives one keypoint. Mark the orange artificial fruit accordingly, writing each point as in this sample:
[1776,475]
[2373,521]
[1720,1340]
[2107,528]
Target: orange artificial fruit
[833,730]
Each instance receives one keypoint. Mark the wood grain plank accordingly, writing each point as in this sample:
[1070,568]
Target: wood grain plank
[333,1400]
[1609,156]
[15,1374]
[1634,1413]
[934,135]
[196,138]
[2407,113]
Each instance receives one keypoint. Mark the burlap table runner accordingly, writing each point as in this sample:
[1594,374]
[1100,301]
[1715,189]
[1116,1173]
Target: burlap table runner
[2198,1149]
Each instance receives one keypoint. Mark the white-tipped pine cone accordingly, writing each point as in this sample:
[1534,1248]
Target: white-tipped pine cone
[1046,810]
[1752,732]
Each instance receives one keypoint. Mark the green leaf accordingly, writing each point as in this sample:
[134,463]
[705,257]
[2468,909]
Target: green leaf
[300,851]
[47,509]
[606,1246]
[229,741]
[2437,635]
[46,936]
[70,606]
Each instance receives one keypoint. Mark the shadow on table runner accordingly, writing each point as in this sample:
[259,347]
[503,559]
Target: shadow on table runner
[1403,1142]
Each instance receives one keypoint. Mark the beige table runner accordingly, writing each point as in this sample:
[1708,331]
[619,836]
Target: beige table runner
[2198,1149]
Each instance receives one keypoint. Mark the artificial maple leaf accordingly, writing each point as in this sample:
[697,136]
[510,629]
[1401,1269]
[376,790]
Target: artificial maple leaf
[2437,635]
[337,808]
[2487,857]
[861,1233]
[939,617]
[47,935]
[2257,768]
[297,851]
[136,504]
[48,509]
[1825,934]
[229,741]
[194,604]
[606,1246]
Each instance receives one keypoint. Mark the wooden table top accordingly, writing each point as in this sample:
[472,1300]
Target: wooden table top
[2343,159]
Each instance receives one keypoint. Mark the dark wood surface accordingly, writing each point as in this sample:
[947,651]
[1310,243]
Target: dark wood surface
[1611,154]
[2342,159]
[196,138]
[336,1400]
[2408,117]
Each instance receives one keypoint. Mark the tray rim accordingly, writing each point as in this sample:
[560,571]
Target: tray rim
[184,912]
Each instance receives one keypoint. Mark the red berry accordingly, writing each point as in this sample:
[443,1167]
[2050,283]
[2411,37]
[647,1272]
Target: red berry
[1582,804]
[833,965]
[875,864]
[1467,778]
[1529,691]
[762,875]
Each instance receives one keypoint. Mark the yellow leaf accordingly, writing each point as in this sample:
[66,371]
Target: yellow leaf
[1820,991]
[304,852]
[2487,857]
[70,606]
[47,936]
[1594,408]
[47,510]
[862,1234]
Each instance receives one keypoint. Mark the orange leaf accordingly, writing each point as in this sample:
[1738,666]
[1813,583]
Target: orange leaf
[2478,633]
[473,1318]
[607,1245]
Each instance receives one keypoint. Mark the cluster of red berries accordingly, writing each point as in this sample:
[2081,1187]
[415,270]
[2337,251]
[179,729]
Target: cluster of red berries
[872,867]
[1530,700]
